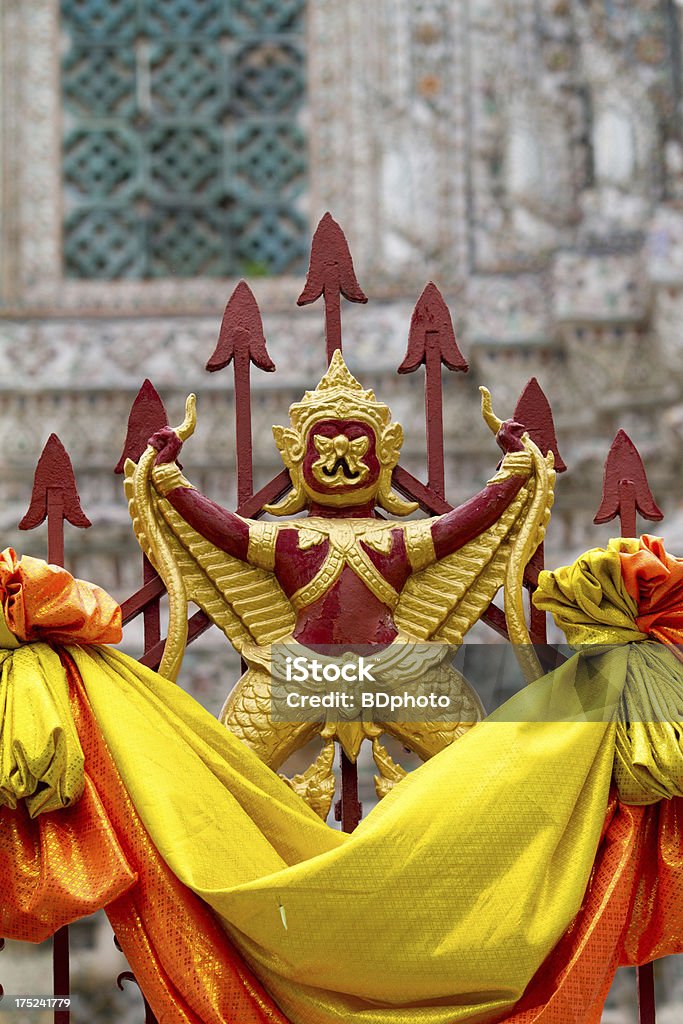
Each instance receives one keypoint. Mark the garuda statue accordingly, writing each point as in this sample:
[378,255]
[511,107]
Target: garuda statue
[341,574]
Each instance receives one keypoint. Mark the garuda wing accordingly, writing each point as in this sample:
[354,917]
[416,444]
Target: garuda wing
[245,602]
[442,601]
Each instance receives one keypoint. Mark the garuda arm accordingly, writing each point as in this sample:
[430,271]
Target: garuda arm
[469,563]
[225,529]
[245,602]
[453,531]
[231,533]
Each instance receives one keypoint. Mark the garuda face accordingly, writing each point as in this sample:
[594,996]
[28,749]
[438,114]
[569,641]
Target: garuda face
[340,455]
[340,464]
[340,448]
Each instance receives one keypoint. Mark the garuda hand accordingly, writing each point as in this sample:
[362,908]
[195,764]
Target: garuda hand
[168,445]
[509,436]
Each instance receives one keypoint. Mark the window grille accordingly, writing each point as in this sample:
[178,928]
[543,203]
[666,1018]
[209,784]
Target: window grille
[183,149]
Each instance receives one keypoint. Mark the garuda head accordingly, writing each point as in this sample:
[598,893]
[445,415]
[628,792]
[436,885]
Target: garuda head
[341,447]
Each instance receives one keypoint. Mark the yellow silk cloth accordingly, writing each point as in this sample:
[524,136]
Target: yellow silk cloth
[589,600]
[41,760]
[423,916]
[490,864]
[631,591]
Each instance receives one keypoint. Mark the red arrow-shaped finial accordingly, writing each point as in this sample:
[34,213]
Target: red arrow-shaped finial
[331,273]
[431,340]
[241,331]
[533,411]
[431,322]
[241,341]
[54,472]
[625,489]
[54,496]
[147,415]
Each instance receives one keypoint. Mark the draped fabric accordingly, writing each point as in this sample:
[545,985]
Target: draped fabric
[654,580]
[632,590]
[44,602]
[501,881]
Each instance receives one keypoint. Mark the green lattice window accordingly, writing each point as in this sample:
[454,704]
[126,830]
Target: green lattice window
[183,150]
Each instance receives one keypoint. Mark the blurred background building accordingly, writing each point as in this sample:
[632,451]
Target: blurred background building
[526,155]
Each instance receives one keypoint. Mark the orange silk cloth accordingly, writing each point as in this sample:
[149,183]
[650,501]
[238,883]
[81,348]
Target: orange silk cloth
[654,579]
[44,602]
[64,864]
[632,913]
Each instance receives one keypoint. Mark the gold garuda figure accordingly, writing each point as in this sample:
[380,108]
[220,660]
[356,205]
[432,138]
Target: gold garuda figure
[341,574]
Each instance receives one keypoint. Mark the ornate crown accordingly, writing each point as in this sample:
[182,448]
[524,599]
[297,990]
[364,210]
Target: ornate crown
[339,396]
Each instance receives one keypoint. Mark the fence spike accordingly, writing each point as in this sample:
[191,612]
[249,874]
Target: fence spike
[241,332]
[431,340]
[54,490]
[534,412]
[331,274]
[431,316]
[147,415]
[625,489]
[241,341]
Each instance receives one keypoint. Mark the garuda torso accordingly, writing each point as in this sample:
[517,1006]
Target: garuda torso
[343,576]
